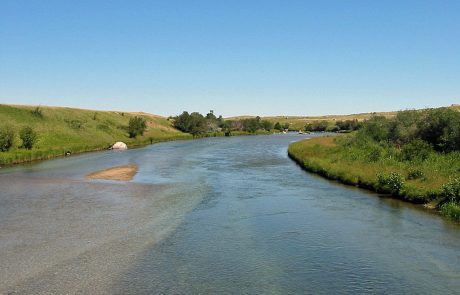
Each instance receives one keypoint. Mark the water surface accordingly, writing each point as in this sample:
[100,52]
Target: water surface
[219,215]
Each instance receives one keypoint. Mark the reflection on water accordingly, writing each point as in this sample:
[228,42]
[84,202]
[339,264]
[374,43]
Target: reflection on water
[226,215]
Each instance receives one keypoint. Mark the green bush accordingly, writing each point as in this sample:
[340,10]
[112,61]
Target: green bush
[136,126]
[6,138]
[28,137]
[415,174]
[451,210]
[417,149]
[451,190]
[374,154]
[392,183]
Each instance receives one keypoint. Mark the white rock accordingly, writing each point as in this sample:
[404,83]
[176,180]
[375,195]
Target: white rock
[120,146]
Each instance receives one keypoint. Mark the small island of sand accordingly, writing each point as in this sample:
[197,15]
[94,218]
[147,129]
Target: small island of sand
[121,173]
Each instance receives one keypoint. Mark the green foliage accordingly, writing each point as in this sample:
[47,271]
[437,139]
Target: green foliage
[451,190]
[278,126]
[6,138]
[28,137]
[316,126]
[266,125]
[374,154]
[348,125]
[415,174]
[376,128]
[198,125]
[391,183]
[441,128]
[451,210]
[136,126]
[417,149]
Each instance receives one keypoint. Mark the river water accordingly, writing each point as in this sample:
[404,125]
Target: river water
[218,215]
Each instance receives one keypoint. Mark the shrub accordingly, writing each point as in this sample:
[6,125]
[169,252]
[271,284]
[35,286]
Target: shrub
[416,150]
[451,210]
[6,138]
[392,183]
[374,154]
[415,174]
[136,126]
[451,190]
[28,137]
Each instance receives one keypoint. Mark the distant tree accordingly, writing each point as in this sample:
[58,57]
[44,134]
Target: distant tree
[278,126]
[267,125]
[182,122]
[136,126]
[198,124]
[211,116]
[6,138]
[28,137]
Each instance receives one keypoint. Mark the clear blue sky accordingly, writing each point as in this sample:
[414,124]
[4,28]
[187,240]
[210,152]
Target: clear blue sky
[235,57]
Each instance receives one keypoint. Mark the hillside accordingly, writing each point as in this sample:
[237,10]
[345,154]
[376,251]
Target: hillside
[76,130]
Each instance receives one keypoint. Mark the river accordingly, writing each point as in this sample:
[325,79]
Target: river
[217,215]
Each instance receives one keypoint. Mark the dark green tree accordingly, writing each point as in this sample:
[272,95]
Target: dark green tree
[28,137]
[6,138]
[136,126]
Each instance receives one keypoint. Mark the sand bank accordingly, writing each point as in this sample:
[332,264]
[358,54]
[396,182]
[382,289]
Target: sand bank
[121,173]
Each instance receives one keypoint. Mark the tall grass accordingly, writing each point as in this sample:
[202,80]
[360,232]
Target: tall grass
[361,165]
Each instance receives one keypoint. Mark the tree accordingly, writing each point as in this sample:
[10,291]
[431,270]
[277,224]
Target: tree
[28,137]
[136,126]
[278,126]
[267,125]
[6,138]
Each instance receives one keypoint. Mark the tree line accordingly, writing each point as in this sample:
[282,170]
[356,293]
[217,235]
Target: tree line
[197,124]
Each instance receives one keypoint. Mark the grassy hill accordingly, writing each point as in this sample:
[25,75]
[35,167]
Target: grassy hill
[299,122]
[68,129]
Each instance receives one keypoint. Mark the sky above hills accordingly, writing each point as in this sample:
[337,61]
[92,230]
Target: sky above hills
[235,57]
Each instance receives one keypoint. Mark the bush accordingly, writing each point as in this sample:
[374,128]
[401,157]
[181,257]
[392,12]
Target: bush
[392,183]
[451,210]
[6,138]
[451,190]
[28,137]
[416,150]
[374,154]
[136,126]
[415,174]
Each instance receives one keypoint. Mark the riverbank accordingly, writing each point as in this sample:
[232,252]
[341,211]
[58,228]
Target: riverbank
[62,130]
[415,182]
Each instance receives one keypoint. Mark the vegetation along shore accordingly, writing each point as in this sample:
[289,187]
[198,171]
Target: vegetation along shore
[414,156]
[30,133]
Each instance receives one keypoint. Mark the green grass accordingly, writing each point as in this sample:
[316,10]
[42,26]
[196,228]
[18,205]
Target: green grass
[360,166]
[76,130]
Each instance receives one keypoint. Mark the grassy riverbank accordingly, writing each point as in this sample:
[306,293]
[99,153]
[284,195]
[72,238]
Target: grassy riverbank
[422,181]
[67,129]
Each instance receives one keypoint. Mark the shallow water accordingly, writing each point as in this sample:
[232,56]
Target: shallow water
[219,215]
